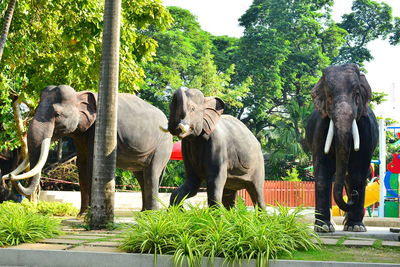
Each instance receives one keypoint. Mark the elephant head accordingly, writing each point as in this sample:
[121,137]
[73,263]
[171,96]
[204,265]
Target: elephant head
[192,114]
[342,94]
[61,111]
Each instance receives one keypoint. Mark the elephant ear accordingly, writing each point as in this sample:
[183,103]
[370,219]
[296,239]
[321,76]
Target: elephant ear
[87,106]
[366,94]
[319,97]
[213,108]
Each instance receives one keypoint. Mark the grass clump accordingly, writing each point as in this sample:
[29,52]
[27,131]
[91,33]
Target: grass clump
[20,224]
[236,235]
[51,208]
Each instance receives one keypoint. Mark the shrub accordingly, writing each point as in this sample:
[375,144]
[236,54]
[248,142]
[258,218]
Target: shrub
[51,208]
[21,224]
[236,234]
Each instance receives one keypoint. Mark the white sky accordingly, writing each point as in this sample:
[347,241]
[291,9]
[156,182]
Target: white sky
[220,17]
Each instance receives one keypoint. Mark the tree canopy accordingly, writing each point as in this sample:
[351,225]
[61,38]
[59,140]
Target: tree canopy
[265,76]
[59,42]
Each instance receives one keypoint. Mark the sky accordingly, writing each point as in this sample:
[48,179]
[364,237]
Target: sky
[220,17]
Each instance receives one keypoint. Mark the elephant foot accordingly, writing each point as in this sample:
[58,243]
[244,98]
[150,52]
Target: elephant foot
[354,227]
[323,227]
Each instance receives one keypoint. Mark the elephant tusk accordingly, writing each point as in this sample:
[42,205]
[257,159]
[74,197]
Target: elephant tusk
[329,138]
[164,128]
[184,127]
[44,152]
[356,136]
[18,170]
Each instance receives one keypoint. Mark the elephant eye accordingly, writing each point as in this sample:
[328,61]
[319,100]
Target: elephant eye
[192,108]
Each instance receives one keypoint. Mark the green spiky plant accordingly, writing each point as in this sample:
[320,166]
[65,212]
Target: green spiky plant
[237,234]
[19,224]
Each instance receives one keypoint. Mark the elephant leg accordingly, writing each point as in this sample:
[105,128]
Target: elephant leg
[256,188]
[354,218]
[187,190]
[152,178]
[257,195]
[215,185]
[228,198]
[85,182]
[139,177]
[323,200]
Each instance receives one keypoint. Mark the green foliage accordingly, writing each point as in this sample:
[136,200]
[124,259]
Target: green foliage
[50,208]
[368,21]
[126,180]
[292,175]
[174,173]
[184,58]
[236,234]
[21,224]
[59,42]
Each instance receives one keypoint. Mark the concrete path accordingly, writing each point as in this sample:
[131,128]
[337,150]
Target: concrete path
[108,242]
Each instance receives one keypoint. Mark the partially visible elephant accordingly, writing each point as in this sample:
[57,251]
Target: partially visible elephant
[217,149]
[342,134]
[141,147]
[8,161]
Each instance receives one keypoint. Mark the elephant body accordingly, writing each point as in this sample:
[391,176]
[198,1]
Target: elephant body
[218,150]
[341,96]
[141,147]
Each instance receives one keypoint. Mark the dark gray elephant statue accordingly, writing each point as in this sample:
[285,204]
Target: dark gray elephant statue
[342,134]
[141,147]
[217,149]
[8,161]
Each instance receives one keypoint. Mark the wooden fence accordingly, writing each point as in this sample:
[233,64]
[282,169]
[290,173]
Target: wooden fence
[290,194]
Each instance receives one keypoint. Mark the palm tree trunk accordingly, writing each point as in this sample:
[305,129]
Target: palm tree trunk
[104,160]
[6,26]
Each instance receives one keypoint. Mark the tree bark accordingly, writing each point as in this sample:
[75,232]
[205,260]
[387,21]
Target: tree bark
[6,26]
[104,159]
[19,123]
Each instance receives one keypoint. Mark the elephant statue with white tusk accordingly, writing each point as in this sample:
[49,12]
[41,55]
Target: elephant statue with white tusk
[141,147]
[342,133]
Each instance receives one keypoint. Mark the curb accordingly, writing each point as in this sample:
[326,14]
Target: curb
[56,258]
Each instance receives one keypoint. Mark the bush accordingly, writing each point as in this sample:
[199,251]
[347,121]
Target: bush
[51,208]
[21,224]
[235,234]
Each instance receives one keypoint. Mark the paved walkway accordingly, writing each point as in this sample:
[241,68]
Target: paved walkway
[101,248]
[78,239]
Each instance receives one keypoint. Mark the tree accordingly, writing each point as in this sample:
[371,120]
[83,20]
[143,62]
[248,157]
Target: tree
[184,58]
[105,149]
[57,42]
[368,21]
[285,46]
[6,26]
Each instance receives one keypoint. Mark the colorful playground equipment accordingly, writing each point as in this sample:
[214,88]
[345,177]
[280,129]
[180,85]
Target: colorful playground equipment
[371,197]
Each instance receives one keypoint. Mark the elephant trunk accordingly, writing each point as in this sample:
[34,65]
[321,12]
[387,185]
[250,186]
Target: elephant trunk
[177,111]
[39,139]
[345,131]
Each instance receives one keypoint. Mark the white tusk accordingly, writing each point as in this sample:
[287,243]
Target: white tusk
[329,138]
[44,152]
[164,128]
[356,136]
[18,170]
[184,127]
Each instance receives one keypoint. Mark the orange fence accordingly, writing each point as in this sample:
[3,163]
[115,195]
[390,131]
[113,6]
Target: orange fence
[290,194]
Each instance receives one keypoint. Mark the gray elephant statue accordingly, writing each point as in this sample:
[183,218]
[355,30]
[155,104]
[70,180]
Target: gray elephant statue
[342,134]
[141,147]
[217,149]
